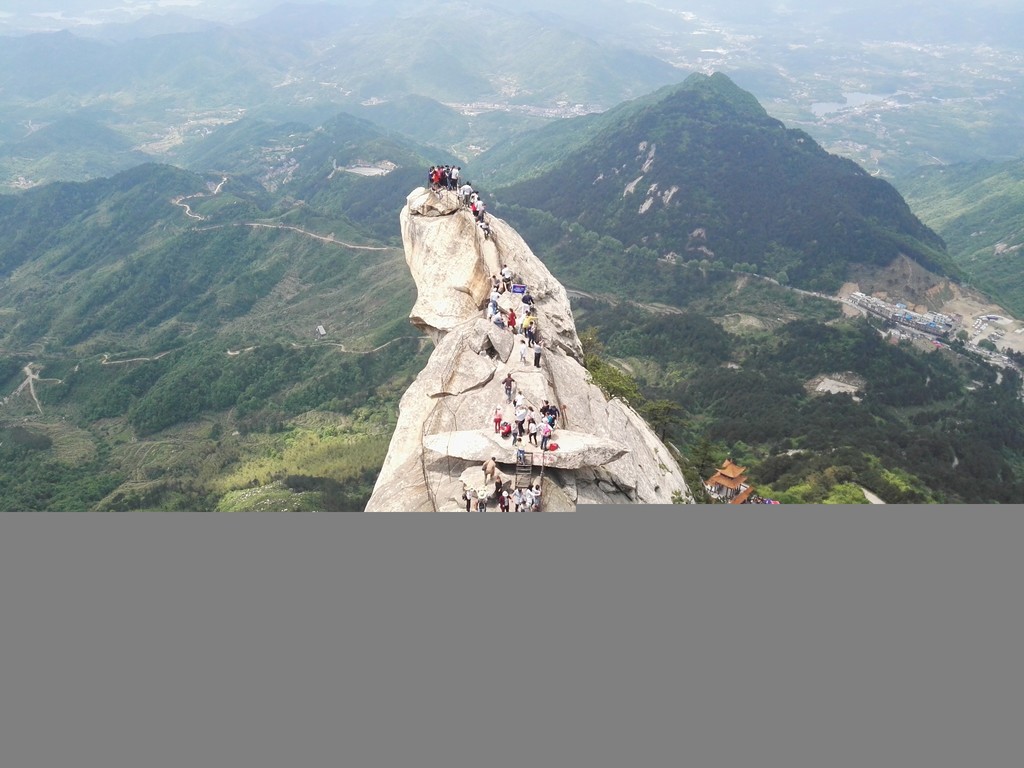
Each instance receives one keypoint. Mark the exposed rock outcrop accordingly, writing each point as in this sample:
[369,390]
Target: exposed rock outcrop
[607,454]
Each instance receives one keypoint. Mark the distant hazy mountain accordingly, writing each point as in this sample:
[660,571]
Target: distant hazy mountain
[700,172]
[72,147]
[891,86]
[458,75]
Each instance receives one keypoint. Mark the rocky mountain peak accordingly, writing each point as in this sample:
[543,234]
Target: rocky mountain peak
[606,453]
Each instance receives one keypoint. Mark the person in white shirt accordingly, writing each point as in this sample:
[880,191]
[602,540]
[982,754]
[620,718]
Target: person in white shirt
[521,420]
[535,498]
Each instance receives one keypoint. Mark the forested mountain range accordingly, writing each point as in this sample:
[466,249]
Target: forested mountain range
[157,325]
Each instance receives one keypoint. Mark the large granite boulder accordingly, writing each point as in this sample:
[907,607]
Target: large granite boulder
[607,453]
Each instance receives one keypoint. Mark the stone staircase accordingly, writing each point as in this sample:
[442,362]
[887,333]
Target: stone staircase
[524,471]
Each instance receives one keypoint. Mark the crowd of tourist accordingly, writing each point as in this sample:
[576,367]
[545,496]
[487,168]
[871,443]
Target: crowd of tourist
[447,177]
[523,423]
[524,324]
[517,500]
[758,499]
[444,177]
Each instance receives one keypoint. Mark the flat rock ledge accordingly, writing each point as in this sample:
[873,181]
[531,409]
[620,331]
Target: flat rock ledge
[576,450]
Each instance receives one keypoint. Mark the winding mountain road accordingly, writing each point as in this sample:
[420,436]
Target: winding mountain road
[180,202]
[323,238]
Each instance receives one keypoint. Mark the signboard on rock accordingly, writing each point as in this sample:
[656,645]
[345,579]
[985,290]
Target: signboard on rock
[518,288]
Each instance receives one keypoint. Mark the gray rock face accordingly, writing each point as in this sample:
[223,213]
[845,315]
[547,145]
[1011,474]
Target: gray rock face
[607,453]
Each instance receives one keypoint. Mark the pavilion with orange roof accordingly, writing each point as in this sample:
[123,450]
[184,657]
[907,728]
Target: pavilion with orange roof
[729,483]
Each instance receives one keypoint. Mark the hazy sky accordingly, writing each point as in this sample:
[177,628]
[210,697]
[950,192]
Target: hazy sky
[54,14]
[248,7]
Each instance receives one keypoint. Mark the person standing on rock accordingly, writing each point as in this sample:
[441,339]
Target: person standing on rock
[553,414]
[521,420]
[545,434]
[498,417]
[512,320]
[490,468]
[528,328]
[503,502]
[536,353]
[465,191]
[522,351]
[508,382]
[531,427]
[517,499]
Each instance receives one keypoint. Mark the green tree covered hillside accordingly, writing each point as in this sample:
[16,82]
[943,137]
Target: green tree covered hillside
[157,337]
[703,174]
[978,208]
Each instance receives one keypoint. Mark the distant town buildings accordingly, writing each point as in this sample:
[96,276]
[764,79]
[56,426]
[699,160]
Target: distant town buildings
[933,323]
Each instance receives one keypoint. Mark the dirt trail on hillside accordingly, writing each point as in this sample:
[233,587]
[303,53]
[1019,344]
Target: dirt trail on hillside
[661,309]
[31,372]
[107,361]
[323,238]
[297,345]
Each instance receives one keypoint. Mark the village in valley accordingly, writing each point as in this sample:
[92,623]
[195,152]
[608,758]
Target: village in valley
[1004,334]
